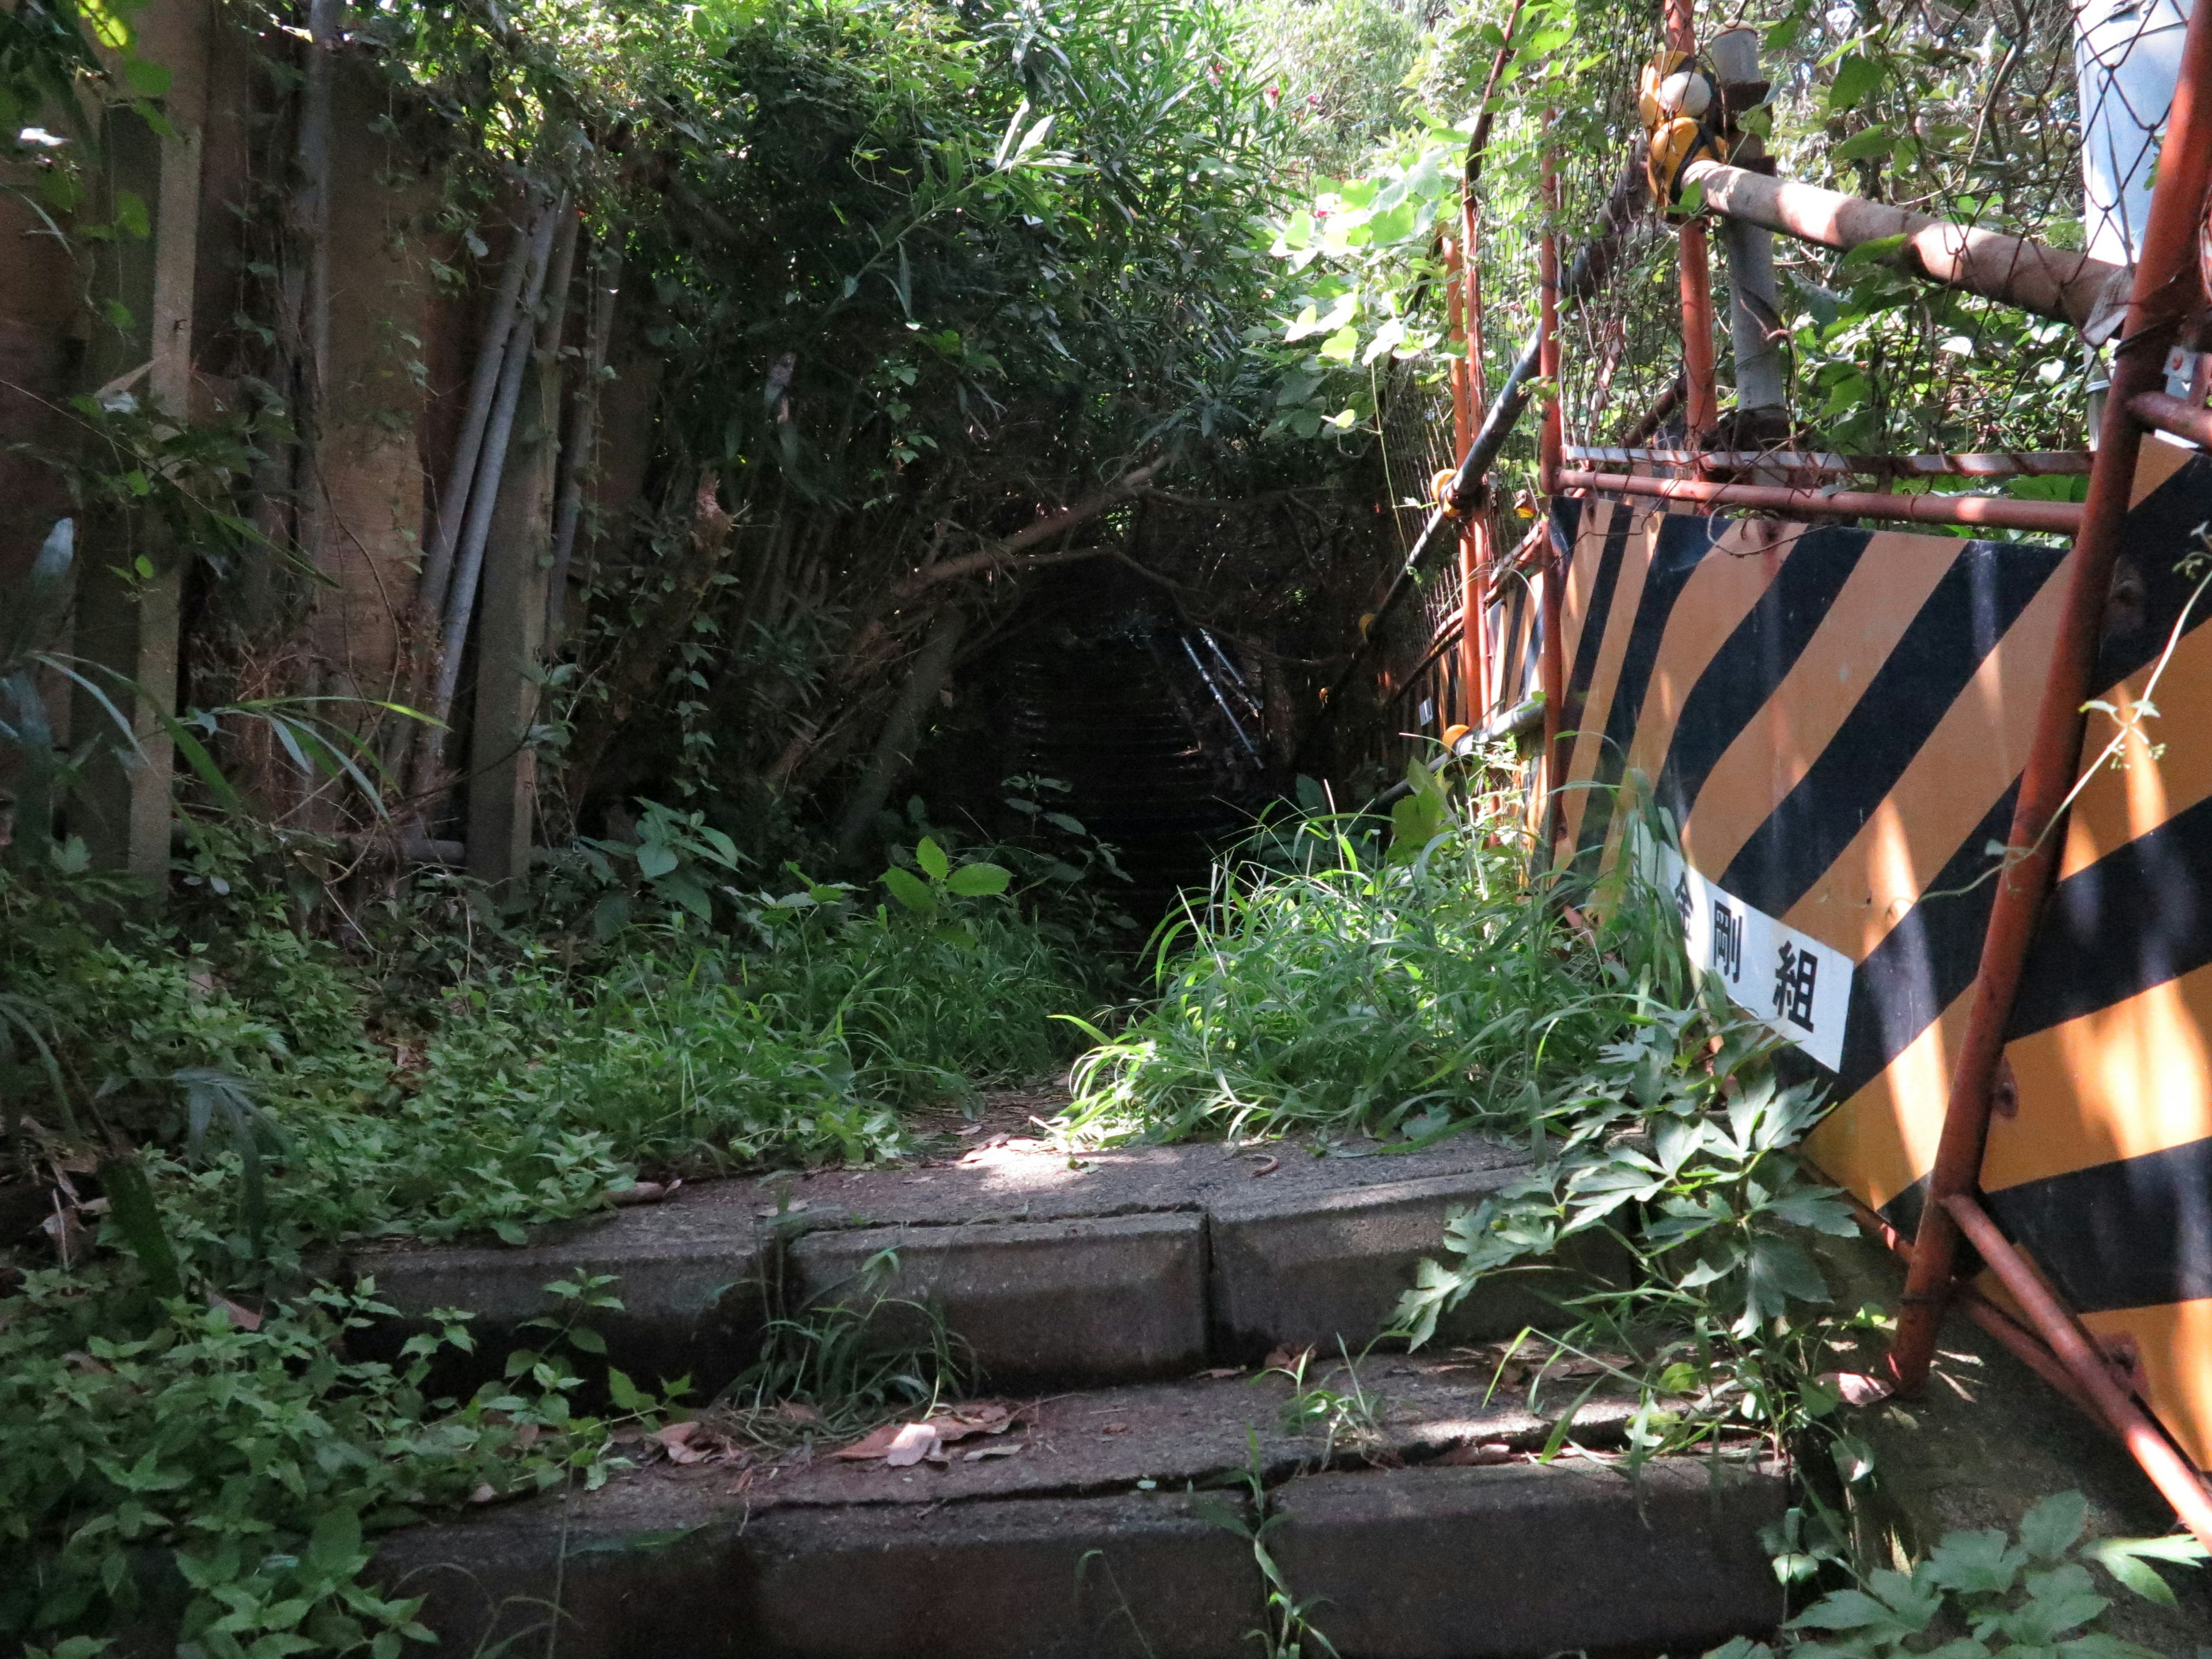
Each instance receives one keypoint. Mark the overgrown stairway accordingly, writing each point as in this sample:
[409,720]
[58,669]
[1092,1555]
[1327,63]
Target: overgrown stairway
[1122,1306]
[1155,761]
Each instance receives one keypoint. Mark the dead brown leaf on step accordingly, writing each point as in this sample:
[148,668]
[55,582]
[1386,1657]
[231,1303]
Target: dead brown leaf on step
[913,1443]
[1287,1358]
[676,1441]
[982,1452]
[1267,1166]
[1114,1428]
[1859,1389]
[643,1192]
[793,1411]
[874,1443]
[900,1445]
[1220,1371]
[694,1441]
[1477,1456]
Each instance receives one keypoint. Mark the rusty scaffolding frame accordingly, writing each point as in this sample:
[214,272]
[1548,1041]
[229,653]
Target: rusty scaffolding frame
[2166,295]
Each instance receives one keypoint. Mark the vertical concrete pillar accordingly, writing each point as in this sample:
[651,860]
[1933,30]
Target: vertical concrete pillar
[1761,384]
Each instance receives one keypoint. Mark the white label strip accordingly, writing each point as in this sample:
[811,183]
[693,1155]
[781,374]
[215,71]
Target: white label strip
[1797,986]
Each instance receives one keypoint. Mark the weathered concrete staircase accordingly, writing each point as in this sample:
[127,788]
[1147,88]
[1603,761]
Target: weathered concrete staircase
[1129,1293]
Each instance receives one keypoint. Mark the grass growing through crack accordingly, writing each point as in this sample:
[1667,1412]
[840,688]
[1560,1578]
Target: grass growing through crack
[836,1368]
[1348,1416]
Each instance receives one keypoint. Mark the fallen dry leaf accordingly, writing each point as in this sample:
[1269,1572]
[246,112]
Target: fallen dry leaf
[1287,1358]
[242,1318]
[1859,1389]
[1114,1428]
[643,1192]
[792,1410]
[1267,1166]
[913,1443]
[775,1210]
[483,1494]
[963,1422]
[676,1441]
[982,1452]
[874,1443]
[1476,1456]
[1220,1371]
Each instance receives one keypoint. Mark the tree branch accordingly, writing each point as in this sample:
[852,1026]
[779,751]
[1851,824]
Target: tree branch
[1004,555]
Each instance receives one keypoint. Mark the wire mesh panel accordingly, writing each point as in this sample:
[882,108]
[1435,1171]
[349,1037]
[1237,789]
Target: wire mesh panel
[2127,57]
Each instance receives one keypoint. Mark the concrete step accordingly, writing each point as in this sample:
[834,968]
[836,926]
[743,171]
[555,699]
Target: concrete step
[1100,1531]
[1110,1266]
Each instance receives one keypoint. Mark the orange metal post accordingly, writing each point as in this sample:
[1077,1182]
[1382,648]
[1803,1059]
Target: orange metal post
[1475,538]
[1703,410]
[1549,447]
[1456,330]
[1550,441]
[2167,287]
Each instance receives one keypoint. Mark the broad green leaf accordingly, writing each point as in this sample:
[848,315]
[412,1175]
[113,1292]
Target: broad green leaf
[147,78]
[334,1546]
[610,916]
[979,880]
[1979,1562]
[655,859]
[910,890]
[1775,1272]
[1877,140]
[2128,1559]
[625,1393]
[2055,1525]
[686,890]
[930,857]
[1875,249]
[1855,77]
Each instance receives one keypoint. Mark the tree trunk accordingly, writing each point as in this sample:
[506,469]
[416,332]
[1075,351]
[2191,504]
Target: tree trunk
[894,747]
[577,449]
[637,664]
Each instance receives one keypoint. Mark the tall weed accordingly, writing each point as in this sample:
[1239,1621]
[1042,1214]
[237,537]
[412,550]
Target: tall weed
[1336,984]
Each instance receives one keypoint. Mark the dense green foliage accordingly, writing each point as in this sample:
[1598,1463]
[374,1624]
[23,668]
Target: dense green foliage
[1339,984]
[1986,1592]
[282,1099]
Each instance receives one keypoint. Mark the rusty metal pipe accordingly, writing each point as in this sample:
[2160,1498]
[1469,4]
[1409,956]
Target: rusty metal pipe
[2166,289]
[2177,1480]
[2072,288]
[1550,439]
[2175,415]
[2016,1337]
[1995,511]
[1697,284]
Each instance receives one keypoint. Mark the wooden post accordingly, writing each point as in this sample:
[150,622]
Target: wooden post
[127,612]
